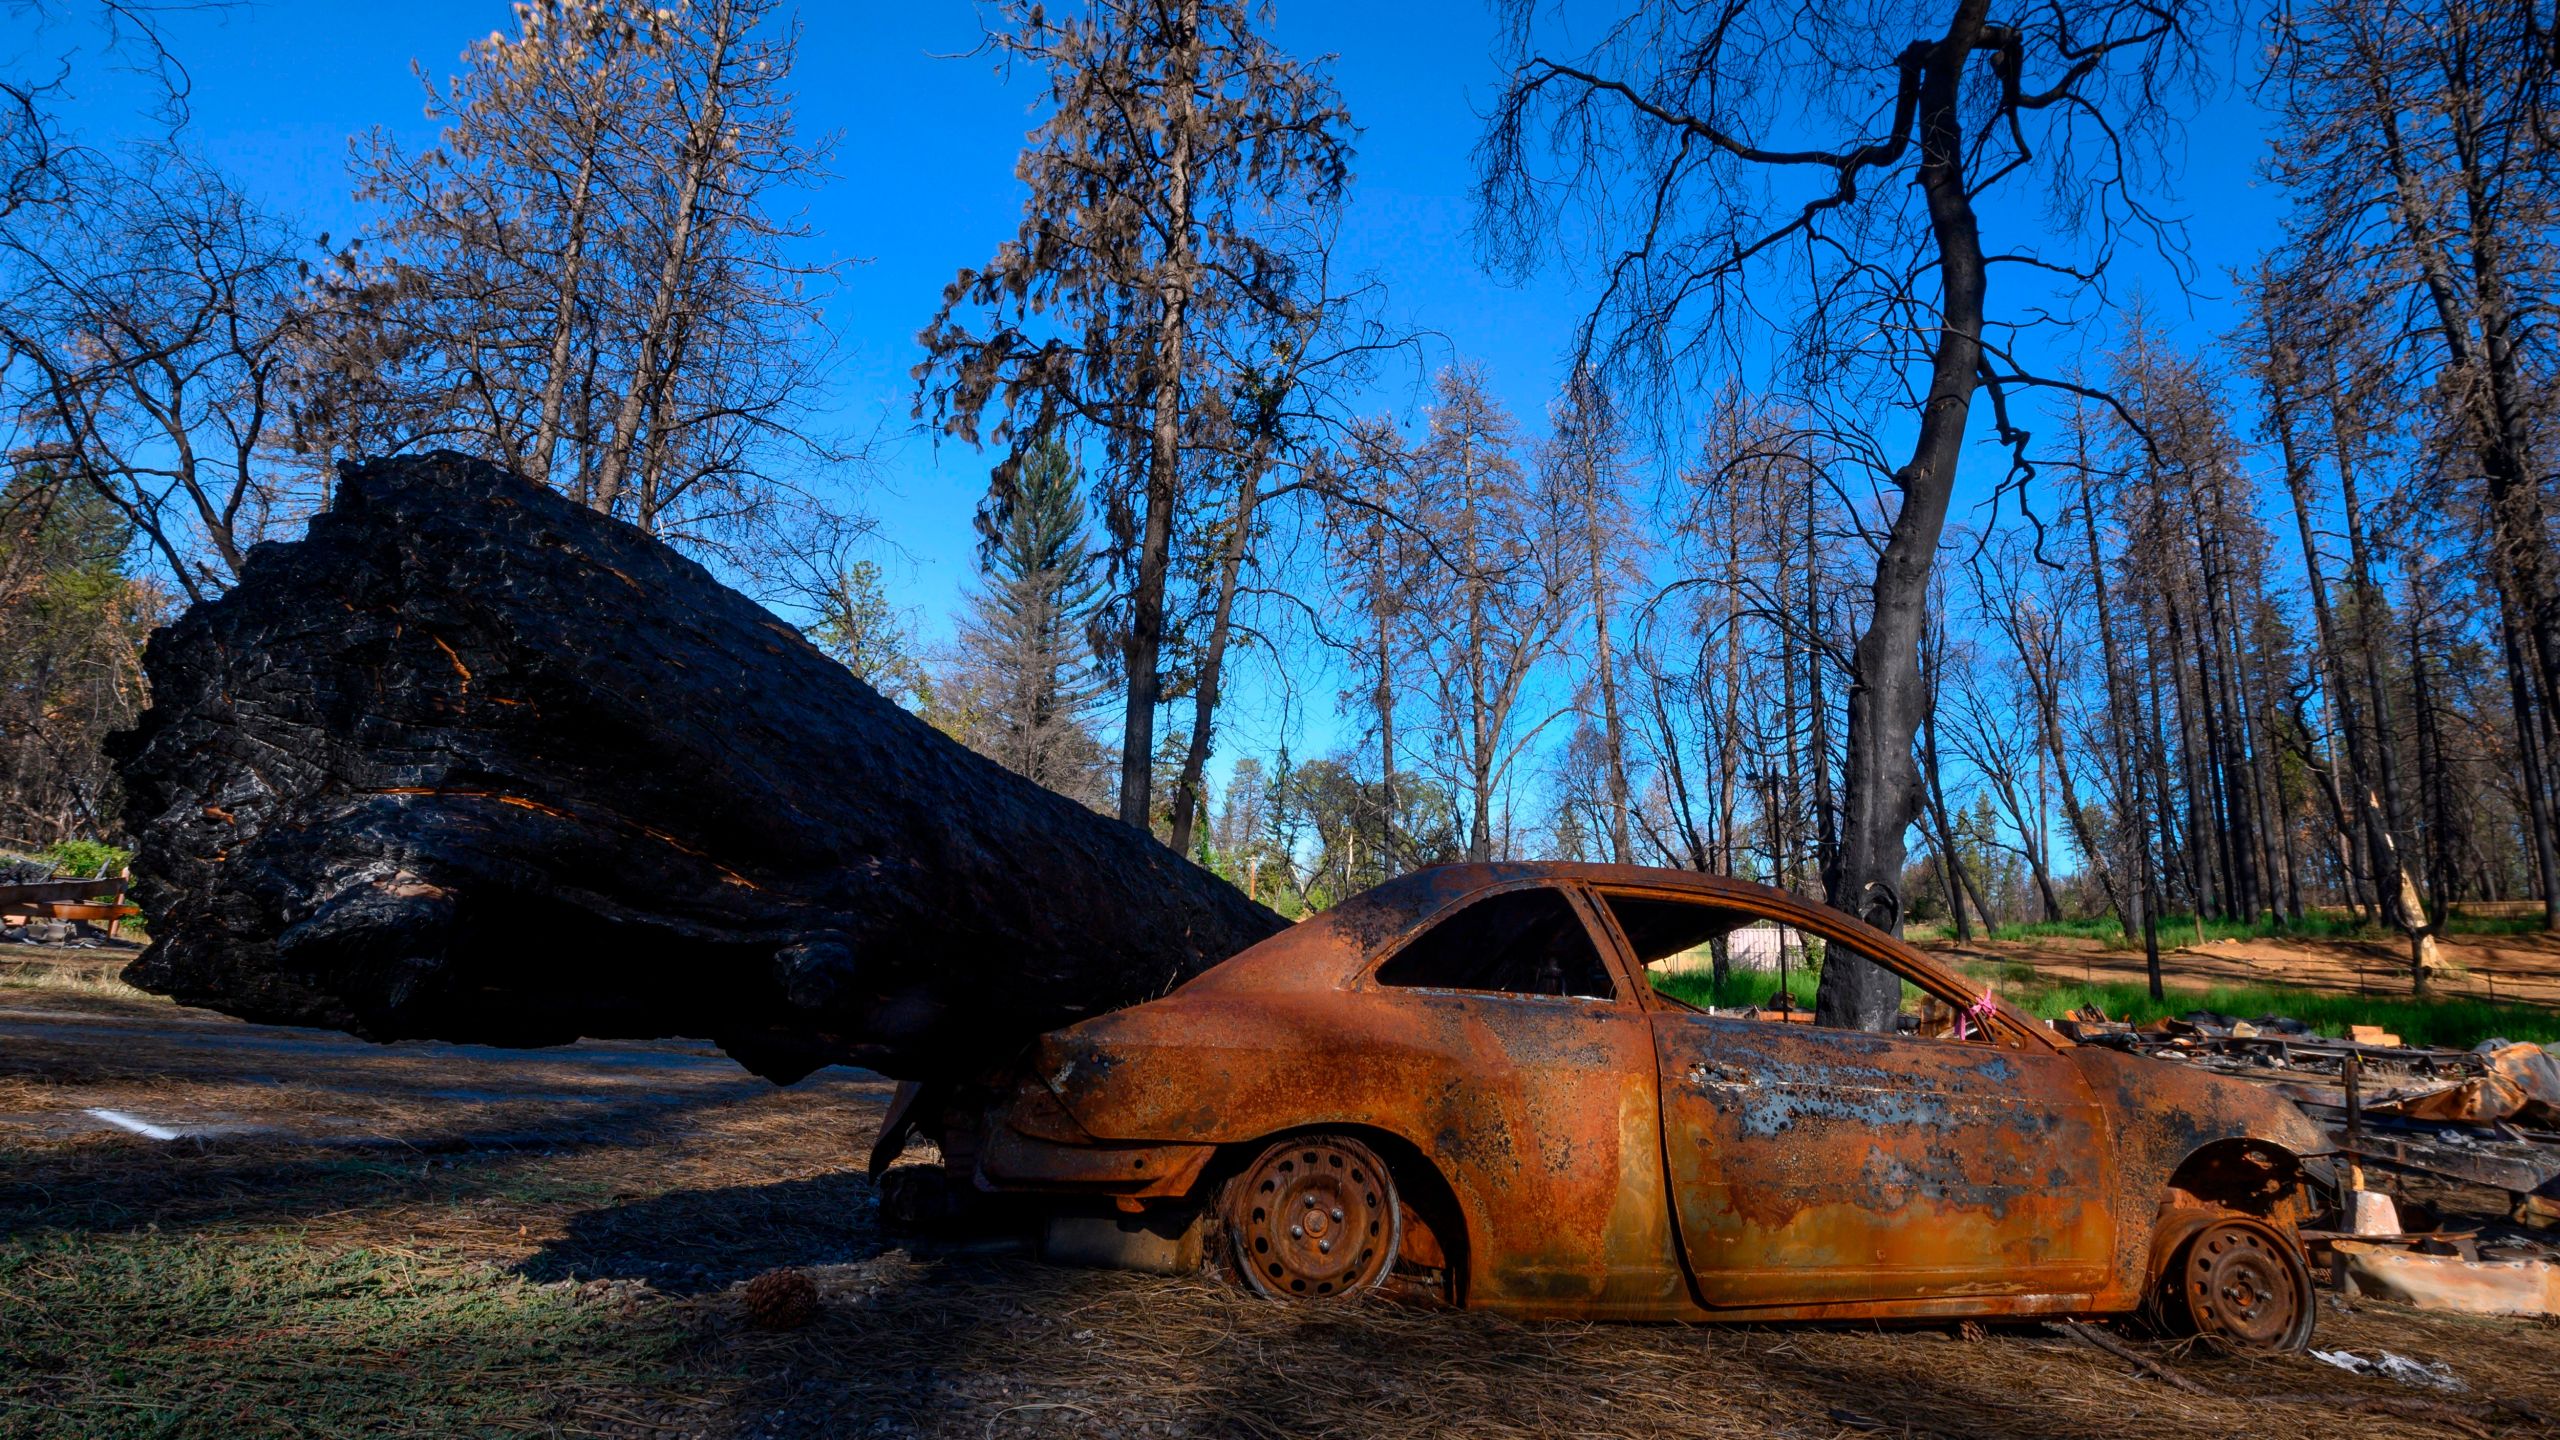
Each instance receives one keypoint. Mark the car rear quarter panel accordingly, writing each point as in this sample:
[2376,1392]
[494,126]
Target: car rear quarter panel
[1542,1122]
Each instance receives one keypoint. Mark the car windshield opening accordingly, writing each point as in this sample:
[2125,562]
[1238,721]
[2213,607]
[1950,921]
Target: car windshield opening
[1520,942]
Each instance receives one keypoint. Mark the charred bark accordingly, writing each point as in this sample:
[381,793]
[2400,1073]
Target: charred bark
[472,762]
[1882,791]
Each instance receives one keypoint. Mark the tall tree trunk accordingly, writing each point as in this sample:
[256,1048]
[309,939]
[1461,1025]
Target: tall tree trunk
[2048,705]
[2431,765]
[2176,831]
[1604,665]
[2124,707]
[1825,817]
[702,149]
[2325,631]
[2127,779]
[2371,611]
[1933,822]
[657,444]
[1683,808]
[2247,718]
[1962,886]
[2491,388]
[2534,762]
[564,324]
[1479,737]
[2031,832]
[1142,650]
[1882,789]
[1382,617]
[2208,868]
[1204,691]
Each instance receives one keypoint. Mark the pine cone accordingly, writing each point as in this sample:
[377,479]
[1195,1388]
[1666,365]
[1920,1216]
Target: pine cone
[781,1300]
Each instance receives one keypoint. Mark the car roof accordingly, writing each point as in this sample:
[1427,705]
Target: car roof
[1327,949]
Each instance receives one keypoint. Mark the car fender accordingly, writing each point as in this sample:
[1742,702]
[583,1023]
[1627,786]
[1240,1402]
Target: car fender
[2165,1116]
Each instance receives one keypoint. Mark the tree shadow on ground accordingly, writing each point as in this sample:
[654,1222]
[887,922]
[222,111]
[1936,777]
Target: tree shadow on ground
[182,1186]
[688,1241]
[251,1181]
[927,1347]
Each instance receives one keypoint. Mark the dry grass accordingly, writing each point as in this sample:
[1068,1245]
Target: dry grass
[990,1346]
[80,972]
[589,1284]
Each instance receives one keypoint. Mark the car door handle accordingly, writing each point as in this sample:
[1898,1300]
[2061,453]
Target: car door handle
[1709,1072]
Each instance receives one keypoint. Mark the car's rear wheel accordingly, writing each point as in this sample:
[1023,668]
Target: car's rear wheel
[2238,1279]
[1314,1217]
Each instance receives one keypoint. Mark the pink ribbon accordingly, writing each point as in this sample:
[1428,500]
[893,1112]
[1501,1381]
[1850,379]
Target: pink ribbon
[1980,1011]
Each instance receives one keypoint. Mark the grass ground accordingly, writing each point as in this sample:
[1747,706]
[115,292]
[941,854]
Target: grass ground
[583,1280]
[2176,930]
[218,1334]
[1740,988]
[2455,1021]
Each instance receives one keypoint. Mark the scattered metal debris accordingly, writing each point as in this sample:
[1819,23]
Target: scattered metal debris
[2478,1118]
[2438,1376]
[2410,1276]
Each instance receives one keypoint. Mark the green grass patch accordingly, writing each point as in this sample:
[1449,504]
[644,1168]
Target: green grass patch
[2178,930]
[2457,1022]
[1751,987]
[143,1334]
[2461,924]
[1740,988]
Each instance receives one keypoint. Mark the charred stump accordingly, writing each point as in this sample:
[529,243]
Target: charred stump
[472,762]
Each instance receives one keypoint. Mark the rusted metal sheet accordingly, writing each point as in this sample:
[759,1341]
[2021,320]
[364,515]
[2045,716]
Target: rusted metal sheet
[1623,1155]
[2446,1282]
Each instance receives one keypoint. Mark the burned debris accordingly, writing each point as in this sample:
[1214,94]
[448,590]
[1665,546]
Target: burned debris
[2475,1124]
[472,762]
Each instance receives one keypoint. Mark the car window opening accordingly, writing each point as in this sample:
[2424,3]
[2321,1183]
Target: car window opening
[1769,968]
[1520,942]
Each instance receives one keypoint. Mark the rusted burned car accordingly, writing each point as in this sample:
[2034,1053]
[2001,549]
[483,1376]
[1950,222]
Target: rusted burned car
[1463,1079]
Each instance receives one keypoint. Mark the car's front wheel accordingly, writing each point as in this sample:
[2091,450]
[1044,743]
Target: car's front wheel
[1313,1217]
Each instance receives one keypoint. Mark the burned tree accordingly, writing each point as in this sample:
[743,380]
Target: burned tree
[1676,141]
[593,276]
[1174,129]
[474,762]
[2425,205]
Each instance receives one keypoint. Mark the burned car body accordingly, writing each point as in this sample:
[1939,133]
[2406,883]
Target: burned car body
[1465,1076]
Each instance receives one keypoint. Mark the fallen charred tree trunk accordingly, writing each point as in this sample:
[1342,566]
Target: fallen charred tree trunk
[471,762]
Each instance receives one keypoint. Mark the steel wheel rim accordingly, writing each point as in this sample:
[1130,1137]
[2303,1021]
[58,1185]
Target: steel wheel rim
[1313,1219]
[2239,1284]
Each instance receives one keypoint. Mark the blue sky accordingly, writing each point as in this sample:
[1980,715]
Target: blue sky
[923,183]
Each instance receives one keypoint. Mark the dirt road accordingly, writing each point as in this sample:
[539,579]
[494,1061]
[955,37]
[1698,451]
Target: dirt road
[347,1239]
[2489,967]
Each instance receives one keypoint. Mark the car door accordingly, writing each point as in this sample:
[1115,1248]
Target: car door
[1551,1132]
[1814,1166]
